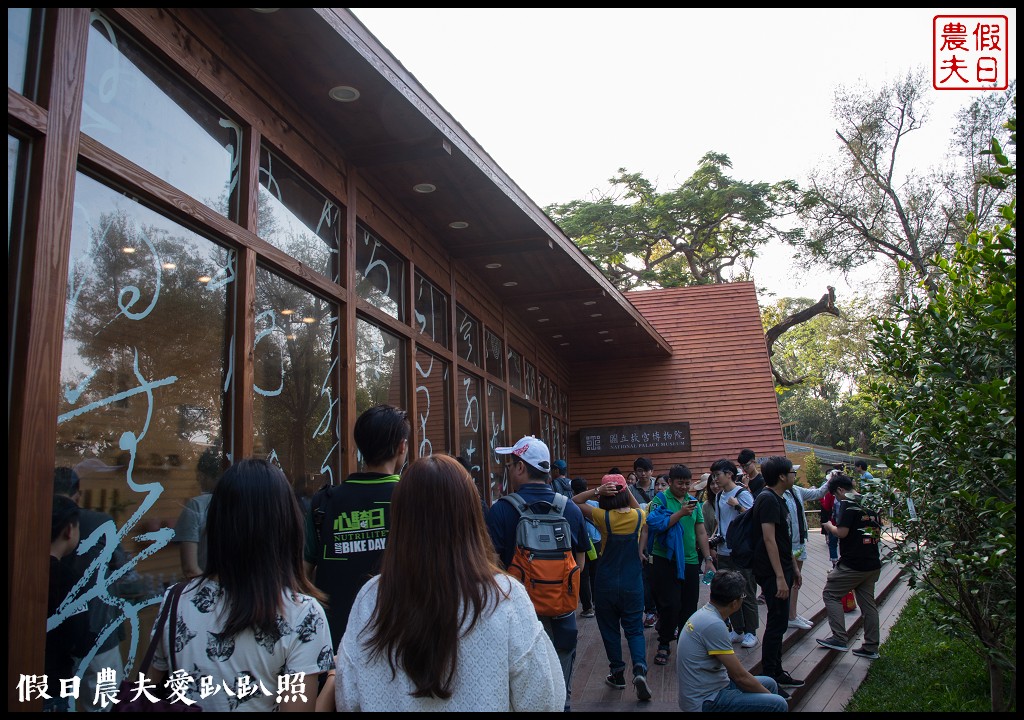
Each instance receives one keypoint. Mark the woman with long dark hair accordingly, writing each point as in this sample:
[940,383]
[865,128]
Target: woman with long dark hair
[252,621]
[443,628]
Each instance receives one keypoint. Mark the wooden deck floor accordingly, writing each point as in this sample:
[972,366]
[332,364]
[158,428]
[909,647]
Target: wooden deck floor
[831,677]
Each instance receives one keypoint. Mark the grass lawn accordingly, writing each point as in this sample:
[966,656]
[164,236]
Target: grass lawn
[922,670]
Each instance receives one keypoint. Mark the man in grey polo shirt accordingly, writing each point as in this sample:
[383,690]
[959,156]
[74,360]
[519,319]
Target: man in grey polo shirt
[710,676]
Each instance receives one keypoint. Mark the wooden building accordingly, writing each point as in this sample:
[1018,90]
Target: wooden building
[232,230]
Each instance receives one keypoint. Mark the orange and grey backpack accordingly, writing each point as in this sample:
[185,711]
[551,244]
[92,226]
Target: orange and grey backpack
[543,560]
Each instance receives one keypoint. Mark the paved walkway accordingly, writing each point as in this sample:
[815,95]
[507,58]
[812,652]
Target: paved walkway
[831,677]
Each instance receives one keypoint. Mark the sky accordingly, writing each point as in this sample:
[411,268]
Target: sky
[562,98]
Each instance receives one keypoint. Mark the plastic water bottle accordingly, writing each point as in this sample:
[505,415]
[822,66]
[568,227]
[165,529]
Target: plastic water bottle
[706,577]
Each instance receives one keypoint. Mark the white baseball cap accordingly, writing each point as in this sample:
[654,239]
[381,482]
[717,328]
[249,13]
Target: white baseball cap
[531,451]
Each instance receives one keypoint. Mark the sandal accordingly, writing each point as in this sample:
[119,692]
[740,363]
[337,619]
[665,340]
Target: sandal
[661,657]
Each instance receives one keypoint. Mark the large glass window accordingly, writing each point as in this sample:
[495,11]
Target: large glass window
[494,359]
[380,274]
[296,398]
[19,21]
[135,106]
[431,308]
[531,381]
[142,396]
[380,367]
[295,217]
[497,436]
[515,370]
[468,336]
[471,428]
[432,410]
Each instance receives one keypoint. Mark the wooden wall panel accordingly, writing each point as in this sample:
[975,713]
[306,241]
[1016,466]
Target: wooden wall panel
[718,379]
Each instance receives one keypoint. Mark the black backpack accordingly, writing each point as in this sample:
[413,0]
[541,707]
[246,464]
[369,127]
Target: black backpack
[740,539]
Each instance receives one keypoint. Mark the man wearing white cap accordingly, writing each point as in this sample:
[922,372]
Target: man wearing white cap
[528,472]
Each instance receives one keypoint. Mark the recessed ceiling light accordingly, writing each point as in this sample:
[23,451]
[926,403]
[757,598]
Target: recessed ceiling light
[543,319]
[205,278]
[343,93]
[564,344]
[532,308]
[609,339]
[309,320]
[556,336]
[492,266]
[590,302]
[286,311]
[602,332]
[424,188]
[169,266]
[510,283]
[458,225]
[595,314]
[128,250]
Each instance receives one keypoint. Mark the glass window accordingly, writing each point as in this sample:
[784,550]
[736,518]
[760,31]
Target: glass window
[497,436]
[515,370]
[554,398]
[431,308]
[556,443]
[531,381]
[19,20]
[296,403]
[468,336]
[565,440]
[142,393]
[380,274]
[471,429]
[433,415]
[135,106]
[542,390]
[565,404]
[545,428]
[380,367]
[297,218]
[495,355]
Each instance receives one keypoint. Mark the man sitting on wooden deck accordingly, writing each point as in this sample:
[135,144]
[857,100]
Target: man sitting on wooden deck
[710,676]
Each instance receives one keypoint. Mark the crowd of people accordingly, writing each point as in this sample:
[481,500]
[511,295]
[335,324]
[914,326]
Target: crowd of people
[272,587]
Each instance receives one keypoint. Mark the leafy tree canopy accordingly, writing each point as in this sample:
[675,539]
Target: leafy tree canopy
[707,230]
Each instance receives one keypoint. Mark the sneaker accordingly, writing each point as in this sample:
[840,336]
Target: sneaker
[587,613]
[784,679]
[800,624]
[832,644]
[643,690]
[749,640]
[869,654]
[617,679]
[735,637]
[783,694]
[650,620]
[801,618]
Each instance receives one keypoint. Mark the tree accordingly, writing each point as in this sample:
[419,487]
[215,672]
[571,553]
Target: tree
[867,208]
[819,363]
[947,388]
[707,230]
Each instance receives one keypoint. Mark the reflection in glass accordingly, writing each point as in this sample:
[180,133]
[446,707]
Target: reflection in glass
[565,440]
[564,404]
[545,429]
[18,22]
[380,367]
[471,428]
[497,436]
[431,311]
[494,358]
[468,336]
[515,370]
[142,388]
[380,274]
[531,380]
[554,395]
[295,359]
[297,218]
[135,106]
[433,414]
[542,390]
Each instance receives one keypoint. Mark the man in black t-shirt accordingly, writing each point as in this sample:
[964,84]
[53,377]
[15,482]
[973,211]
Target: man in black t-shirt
[860,564]
[773,564]
[348,524]
[752,478]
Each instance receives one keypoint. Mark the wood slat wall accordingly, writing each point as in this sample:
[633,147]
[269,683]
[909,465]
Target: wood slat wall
[718,379]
